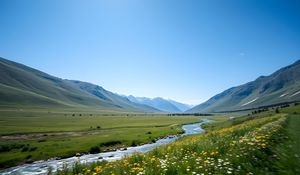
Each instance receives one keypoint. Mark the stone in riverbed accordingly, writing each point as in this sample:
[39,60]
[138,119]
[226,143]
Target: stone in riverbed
[77,154]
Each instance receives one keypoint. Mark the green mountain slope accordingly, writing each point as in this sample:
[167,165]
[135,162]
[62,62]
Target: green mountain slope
[281,86]
[113,98]
[24,86]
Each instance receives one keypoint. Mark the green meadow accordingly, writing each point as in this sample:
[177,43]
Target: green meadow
[264,142]
[31,135]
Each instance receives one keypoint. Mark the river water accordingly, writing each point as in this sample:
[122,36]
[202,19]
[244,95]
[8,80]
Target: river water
[41,167]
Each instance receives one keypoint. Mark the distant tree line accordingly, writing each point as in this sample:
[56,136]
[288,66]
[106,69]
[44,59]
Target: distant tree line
[189,114]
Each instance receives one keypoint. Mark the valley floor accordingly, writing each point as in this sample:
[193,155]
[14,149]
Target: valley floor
[263,143]
[27,136]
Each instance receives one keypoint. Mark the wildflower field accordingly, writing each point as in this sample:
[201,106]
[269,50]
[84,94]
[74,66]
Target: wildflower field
[249,147]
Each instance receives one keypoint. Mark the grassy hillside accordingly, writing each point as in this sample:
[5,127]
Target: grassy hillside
[281,86]
[113,98]
[22,86]
[256,144]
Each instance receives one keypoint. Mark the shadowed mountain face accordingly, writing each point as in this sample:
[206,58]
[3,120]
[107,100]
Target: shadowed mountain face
[24,86]
[281,86]
[181,106]
[161,104]
[103,94]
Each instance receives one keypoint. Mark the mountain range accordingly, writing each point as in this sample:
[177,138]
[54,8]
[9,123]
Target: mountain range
[22,86]
[161,103]
[280,87]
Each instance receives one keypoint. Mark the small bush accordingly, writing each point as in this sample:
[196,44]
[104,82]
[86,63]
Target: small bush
[94,150]
[42,140]
[5,148]
[25,149]
[32,149]
[111,143]
[134,143]
[9,147]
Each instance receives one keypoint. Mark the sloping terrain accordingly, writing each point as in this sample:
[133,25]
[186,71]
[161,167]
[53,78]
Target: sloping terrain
[181,106]
[158,103]
[103,94]
[23,86]
[279,87]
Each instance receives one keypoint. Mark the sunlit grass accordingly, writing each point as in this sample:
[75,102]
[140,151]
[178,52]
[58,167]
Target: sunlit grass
[244,148]
[108,131]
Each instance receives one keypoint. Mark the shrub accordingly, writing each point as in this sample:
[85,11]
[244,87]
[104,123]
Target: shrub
[94,150]
[9,147]
[5,148]
[134,143]
[32,149]
[111,143]
[42,140]
[24,149]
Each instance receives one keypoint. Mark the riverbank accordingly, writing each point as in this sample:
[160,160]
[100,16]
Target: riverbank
[242,148]
[63,135]
[42,166]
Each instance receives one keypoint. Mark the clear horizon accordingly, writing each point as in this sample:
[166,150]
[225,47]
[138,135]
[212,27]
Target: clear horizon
[184,51]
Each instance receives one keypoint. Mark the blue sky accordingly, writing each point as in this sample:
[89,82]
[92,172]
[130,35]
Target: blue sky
[184,50]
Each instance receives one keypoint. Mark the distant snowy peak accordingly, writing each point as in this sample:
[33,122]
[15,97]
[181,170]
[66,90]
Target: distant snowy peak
[161,103]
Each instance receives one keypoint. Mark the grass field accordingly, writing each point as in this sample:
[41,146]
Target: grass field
[265,143]
[35,135]
[43,121]
[288,152]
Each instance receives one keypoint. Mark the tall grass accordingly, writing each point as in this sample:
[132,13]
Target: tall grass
[240,149]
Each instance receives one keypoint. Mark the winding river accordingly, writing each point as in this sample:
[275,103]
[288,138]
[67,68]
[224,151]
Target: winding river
[41,167]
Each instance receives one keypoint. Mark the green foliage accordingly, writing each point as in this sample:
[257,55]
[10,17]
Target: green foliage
[287,151]
[111,143]
[9,147]
[94,150]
